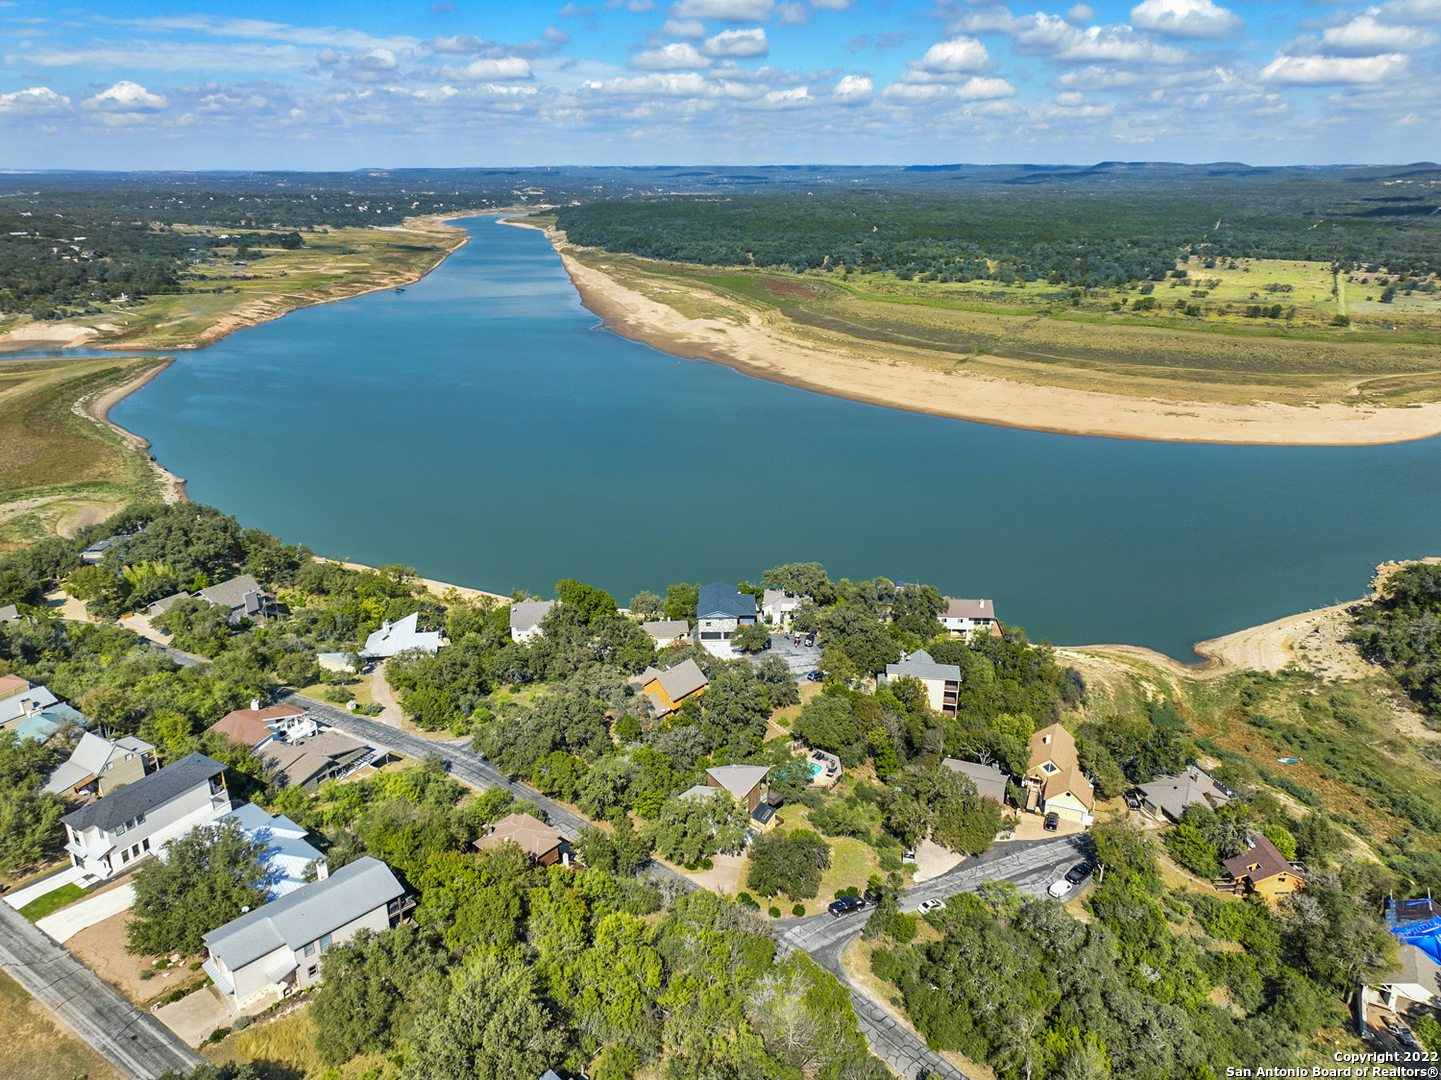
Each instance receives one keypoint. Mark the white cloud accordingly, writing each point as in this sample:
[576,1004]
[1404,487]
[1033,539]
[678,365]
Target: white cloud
[126,96]
[555,36]
[1364,36]
[1185,18]
[676,56]
[724,10]
[1050,35]
[683,28]
[501,68]
[460,45]
[986,20]
[737,43]
[1080,15]
[670,84]
[785,99]
[374,66]
[793,13]
[853,90]
[831,5]
[955,55]
[1095,77]
[978,89]
[1070,97]
[1422,11]
[1320,70]
[37,100]
[259,29]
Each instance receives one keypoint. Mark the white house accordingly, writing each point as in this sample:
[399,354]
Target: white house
[288,857]
[1416,978]
[964,617]
[276,949]
[720,608]
[19,699]
[777,606]
[667,632]
[942,681]
[99,766]
[105,836]
[525,618]
[400,637]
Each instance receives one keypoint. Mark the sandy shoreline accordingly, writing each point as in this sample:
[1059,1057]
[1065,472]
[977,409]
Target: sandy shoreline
[436,588]
[98,408]
[760,350]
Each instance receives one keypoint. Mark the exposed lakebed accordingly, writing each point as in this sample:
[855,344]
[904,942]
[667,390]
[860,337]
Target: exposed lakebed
[479,427]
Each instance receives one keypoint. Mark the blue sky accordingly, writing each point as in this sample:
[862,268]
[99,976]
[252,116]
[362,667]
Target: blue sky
[323,85]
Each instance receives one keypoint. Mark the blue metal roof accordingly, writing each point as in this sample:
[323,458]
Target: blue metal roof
[725,601]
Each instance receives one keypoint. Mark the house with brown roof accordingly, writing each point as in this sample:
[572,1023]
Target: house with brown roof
[669,688]
[966,617]
[1054,782]
[256,727]
[1263,870]
[544,845]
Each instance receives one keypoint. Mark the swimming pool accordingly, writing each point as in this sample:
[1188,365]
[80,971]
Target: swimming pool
[815,767]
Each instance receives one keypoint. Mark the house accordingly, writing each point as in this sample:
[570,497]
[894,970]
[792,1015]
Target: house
[9,613]
[1416,978]
[104,836]
[336,661]
[289,859]
[276,949]
[525,619]
[243,596]
[667,632]
[720,608]
[20,699]
[100,766]
[1263,870]
[777,606]
[668,688]
[942,681]
[160,607]
[255,727]
[745,783]
[544,845]
[1168,796]
[965,617]
[990,781]
[401,637]
[96,551]
[308,762]
[1054,783]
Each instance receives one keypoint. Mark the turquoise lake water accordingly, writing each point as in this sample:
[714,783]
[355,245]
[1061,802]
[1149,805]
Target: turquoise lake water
[480,428]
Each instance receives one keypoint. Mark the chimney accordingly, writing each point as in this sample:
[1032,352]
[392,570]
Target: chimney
[254,704]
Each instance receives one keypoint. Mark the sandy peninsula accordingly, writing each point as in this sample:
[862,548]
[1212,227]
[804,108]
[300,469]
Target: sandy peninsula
[760,348]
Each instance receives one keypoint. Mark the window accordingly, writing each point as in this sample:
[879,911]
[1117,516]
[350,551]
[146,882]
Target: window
[311,971]
[125,856]
[140,819]
[145,844]
[325,943]
[1048,767]
[106,766]
[120,829]
[310,949]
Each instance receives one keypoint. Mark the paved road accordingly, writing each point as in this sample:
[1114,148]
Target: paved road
[1032,865]
[133,1041]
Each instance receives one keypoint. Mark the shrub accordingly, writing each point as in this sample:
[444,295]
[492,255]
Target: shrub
[241,1023]
[798,910]
[775,912]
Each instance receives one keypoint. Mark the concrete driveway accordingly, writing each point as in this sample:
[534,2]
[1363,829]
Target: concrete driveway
[196,1015]
[799,658]
[67,922]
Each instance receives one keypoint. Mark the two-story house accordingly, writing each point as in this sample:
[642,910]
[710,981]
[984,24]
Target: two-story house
[720,608]
[778,606]
[1054,782]
[1263,870]
[100,766]
[525,619]
[942,681]
[242,596]
[966,617]
[401,636]
[276,949]
[669,688]
[105,836]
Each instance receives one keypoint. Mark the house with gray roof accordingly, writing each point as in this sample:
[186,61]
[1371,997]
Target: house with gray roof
[105,836]
[100,766]
[942,681]
[9,613]
[746,783]
[525,618]
[276,949]
[243,596]
[720,608]
[399,637]
[1169,796]
[666,632]
[990,781]
[289,857]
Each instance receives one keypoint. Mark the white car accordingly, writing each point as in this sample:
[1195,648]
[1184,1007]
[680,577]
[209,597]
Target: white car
[1060,889]
[928,906]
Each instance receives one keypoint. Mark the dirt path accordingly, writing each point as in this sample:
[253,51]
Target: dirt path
[383,696]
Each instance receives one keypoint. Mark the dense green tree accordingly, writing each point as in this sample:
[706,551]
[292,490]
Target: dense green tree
[751,637]
[209,875]
[646,605]
[802,579]
[687,830]
[681,600]
[592,604]
[788,862]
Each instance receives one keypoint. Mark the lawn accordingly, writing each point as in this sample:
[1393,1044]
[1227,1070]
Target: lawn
[37,1047]
[852,862]
[37,909]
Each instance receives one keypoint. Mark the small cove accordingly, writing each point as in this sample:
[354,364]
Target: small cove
[479,427]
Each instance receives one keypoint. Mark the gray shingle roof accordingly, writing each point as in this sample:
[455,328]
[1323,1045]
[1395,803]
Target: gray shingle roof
[89,757]
[919,665]
[738,779]
[990,783]
[527,614]
[145,795]
[305,915]
[724,601]
[685,678]
[666,628]
[231,594]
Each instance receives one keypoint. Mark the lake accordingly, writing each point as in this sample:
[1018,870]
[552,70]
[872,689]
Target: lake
[481,428]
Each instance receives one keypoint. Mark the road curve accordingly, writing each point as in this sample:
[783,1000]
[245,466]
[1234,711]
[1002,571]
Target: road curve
[133,1041]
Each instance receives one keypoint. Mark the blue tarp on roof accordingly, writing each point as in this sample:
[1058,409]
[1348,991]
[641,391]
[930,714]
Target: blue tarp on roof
[1417,922]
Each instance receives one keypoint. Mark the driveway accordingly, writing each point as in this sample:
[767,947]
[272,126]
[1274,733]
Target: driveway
[196,1015]
[799,658]
[83,914]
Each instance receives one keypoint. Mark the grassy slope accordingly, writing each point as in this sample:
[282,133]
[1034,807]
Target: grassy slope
[55,462]
[37,1048]
[1032,332]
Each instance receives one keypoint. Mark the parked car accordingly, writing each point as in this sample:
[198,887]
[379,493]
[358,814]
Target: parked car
[909,855]
[1132,803]
[845,905]
[810,641]
[814,676]
[1052,822]
[1078,873]
[928,906]
[1061,888]
[767,645]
